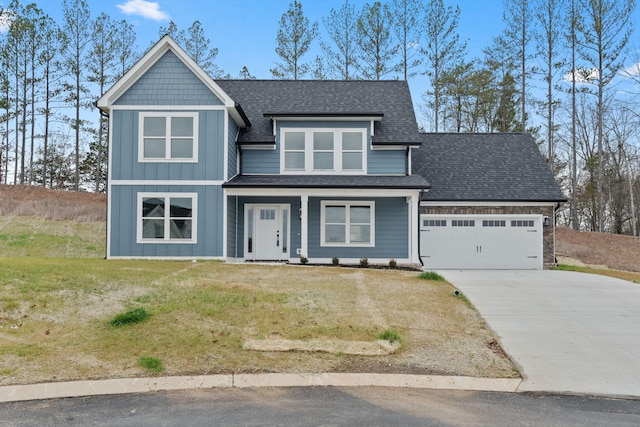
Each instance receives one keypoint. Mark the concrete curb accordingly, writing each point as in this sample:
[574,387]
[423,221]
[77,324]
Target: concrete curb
[58,390]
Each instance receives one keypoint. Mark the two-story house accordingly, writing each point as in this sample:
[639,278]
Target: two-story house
[255,170]
[259,170]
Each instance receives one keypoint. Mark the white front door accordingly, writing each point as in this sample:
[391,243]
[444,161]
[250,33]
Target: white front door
[267,232]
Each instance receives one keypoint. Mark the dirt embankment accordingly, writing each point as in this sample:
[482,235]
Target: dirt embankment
[55,205]
[603,249]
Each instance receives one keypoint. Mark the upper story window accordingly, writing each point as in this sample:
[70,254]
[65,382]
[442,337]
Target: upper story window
[323,151]
[168,137]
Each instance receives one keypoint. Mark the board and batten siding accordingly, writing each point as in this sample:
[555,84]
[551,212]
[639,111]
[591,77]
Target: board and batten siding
[391,231]
[379,162]
[124,151]
[124,222]
[168,82]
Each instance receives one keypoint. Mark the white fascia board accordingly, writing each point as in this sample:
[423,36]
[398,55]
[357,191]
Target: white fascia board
[462,203]
[165,44]
[312,118]
[166,182]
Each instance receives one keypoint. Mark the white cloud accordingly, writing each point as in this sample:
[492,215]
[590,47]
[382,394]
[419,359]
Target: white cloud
[582,75]
[144,8]
[5,21]
[632,71]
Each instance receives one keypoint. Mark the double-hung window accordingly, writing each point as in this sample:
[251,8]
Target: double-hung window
[347,223]
[321,151]
[168,137]
[167,217]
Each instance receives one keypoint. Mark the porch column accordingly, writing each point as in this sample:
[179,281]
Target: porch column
[304,209]
[414,227]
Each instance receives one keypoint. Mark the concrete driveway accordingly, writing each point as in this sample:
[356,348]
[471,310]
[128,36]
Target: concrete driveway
[568,332]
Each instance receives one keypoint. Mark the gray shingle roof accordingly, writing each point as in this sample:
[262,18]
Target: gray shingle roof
[326,97]
[328,181]
[484,167]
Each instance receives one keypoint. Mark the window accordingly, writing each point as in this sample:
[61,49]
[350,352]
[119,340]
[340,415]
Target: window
[323,151]
[168,137]
[494,223]
[347,223]
[463,223]
[434,223]
[167,218]
[522,223]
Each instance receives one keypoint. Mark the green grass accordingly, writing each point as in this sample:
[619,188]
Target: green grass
[630,276]
[151,364]
[130,317]
[390,335]
[431,275]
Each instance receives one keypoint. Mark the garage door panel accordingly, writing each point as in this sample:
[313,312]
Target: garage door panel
[481,242]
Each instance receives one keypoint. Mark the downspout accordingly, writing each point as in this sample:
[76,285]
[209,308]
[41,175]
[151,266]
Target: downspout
[419,254]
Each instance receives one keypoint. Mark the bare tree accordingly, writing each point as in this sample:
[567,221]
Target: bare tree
[606,32]
[293,39]
[377,47]
[407,25]
[341,53]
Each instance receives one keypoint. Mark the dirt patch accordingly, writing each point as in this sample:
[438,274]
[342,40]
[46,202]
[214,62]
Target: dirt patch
[599,249]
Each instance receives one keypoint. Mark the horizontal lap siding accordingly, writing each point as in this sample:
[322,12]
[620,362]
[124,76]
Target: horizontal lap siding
[391,231]
[232,163]
[125,165]
[124,223]
[260,162]
[232,223]
[387,162]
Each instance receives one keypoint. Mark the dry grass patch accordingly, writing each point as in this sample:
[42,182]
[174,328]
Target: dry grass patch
[54,319]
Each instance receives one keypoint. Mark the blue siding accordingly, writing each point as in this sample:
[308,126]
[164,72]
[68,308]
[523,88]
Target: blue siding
[124,161]
[379,162]
[260,162]
[168,82]
[294,224]
[387,162]
[232,149]
[232,223]
[124,223]
[391,231]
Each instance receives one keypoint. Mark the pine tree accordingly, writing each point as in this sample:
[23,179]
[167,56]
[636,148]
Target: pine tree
[293,39]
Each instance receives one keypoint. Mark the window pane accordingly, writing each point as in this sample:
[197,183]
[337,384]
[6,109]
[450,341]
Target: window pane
[334,234]
[153,207]
[181,148]
[335,214]
[180,229]
[352,141]
[294,141]
[154,148]
[181,207]
[155,126]
[294,161]
[360,234]
[360,214]
[352,161]
[323,140]
[182,126]
[152,228]
[323,161]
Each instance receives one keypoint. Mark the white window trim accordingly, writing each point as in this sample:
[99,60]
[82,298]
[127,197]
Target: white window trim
[337,152]
[167,239]
[347,205]
[167,158]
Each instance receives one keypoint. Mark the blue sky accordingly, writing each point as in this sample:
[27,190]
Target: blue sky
[244,31]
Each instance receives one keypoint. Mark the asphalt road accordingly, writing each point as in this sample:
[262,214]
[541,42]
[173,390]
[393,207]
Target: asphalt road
[323,406]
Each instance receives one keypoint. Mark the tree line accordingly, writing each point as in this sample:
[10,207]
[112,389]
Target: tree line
[560,70]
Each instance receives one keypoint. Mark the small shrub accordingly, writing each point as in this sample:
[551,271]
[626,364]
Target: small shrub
[335,260]
[390,335]
[136,315]
[364,262]
[151,364]
[431,275]
[392,263]
[304,260]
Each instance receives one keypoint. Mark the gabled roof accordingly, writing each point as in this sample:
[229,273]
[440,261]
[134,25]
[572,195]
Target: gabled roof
[388,103]
[165,44]
[484,167]
[403,182]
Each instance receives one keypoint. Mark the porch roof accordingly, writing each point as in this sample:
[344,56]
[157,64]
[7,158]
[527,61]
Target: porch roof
[403,182]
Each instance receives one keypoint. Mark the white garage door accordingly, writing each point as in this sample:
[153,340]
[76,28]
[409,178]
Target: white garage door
[481,241]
